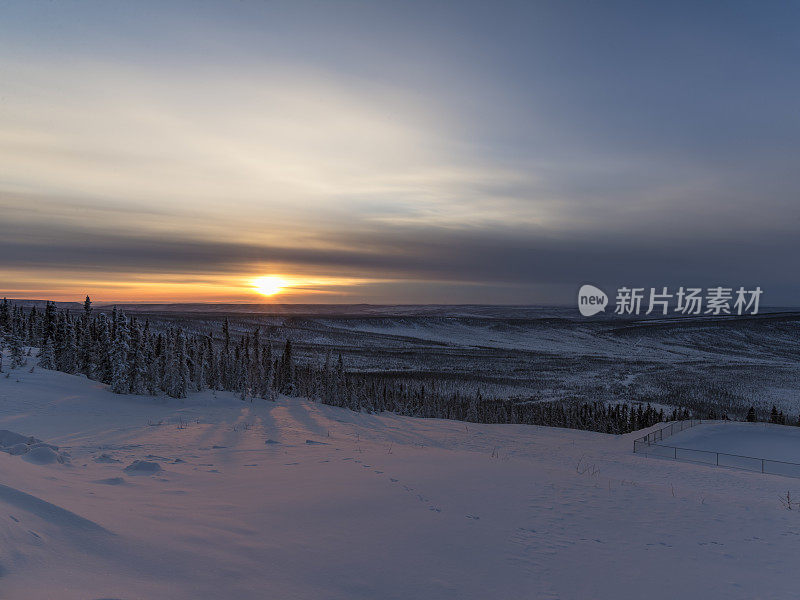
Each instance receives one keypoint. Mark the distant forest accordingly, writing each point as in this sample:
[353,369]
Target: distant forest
[135,357]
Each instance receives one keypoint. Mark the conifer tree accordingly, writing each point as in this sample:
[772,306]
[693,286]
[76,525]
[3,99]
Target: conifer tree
[47,357]
[120,346]
[84,337]
[287,370]
[137,359]
[49,326]
[268,384]
[102,351]
[5,316]
[199,364]
[33,332]
[210,364]
[178,378]
[17,353]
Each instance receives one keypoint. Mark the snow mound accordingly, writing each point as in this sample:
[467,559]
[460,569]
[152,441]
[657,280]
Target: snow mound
[43,455]
[17,449]
[143,467]
[10,438]
[31,449]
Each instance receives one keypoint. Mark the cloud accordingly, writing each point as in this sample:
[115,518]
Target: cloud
[391,152]
[235,147]
[504,257]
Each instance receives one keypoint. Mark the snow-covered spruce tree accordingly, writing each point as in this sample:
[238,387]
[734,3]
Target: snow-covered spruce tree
[286,370]
[199,366]
[163,354]
[101,350]
[152,362]
[255,366]
[472,411]
[5,316]
[269,370]
[178,371]
[17,352]
[50,321]
[47,356]
[71,348]
[113,322]
[120,347]
[226,362]
[32,328]
[210,365]
[183,367]
[243,369]
[137,368]
[327,379]
[85,336]
[57,321]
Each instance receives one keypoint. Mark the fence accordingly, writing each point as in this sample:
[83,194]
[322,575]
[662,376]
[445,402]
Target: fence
[659,434]
[649,446]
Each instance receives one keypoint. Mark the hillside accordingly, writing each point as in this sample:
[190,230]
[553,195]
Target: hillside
[293,499]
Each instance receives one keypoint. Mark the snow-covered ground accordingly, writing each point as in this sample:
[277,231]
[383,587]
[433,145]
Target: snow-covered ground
[759,440]
[297,500]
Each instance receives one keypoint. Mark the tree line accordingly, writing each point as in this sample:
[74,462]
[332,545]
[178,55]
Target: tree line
[133,356]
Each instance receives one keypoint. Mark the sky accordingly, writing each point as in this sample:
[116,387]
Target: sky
[397,152]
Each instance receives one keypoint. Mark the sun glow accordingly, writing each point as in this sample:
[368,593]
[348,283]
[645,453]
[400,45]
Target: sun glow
[269,286]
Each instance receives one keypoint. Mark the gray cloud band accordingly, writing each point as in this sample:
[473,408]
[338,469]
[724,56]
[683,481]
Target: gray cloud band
[485,256]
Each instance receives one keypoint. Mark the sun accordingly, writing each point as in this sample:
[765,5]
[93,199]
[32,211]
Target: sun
[269,285]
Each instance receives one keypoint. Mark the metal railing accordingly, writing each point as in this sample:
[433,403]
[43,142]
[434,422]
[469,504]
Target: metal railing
[649,446]
[659,434]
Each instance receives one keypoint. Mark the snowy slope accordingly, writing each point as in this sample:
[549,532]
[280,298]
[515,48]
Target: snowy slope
[346,505]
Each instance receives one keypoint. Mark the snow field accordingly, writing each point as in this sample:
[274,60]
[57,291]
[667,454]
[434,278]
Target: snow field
[298,500]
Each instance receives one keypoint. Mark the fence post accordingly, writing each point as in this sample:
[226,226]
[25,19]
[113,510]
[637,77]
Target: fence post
[717,458]
[762,465]
[676,453]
